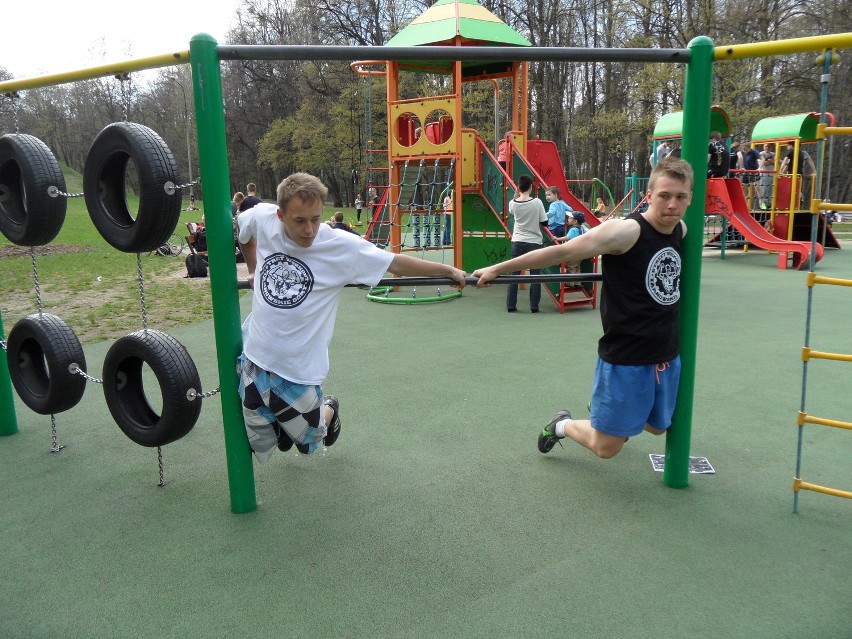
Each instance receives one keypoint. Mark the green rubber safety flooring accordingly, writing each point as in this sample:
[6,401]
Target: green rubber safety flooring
[434,516]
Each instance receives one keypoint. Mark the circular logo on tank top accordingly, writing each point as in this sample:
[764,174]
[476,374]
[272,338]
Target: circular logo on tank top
[285,281]
[663,277]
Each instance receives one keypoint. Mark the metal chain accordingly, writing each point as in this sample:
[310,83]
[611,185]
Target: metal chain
[75,369]
[141,290]
[188,184]
[125,93]
[193,394]
[162,481]
[53,191]
[35,279]
[13,96]
[55,448]
[171,188]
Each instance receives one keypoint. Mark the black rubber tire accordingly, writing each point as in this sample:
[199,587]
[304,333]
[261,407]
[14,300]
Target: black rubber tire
[104,183]
[39,350]
[29,215]
[125,395]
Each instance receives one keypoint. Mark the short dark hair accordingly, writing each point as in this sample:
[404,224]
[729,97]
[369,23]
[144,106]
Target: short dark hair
[525,183]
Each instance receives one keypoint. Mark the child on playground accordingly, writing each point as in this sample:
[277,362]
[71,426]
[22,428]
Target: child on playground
[448,219]
[359,206]
[575,229]
[557,212]
[638,370]
[298,267]
[338,222]
[503,150]
[600,208]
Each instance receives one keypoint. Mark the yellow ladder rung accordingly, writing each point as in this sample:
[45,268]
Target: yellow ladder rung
[798,485]
[808,354]
[804,418]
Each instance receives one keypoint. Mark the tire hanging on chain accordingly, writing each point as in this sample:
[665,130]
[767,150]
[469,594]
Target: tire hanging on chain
[105,183]
[125,393]
[39,350]
[31,208]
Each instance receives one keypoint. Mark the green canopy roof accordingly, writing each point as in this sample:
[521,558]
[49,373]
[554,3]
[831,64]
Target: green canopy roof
[474,24]
[787,127]
[670,126]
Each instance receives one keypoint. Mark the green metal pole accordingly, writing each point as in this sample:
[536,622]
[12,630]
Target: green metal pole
[634,198]
[213,162]
[696,132]
[8,420]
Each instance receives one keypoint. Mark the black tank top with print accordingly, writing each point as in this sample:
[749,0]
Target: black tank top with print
[640,297]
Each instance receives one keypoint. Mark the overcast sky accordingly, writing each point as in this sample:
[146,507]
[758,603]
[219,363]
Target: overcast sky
[52,36]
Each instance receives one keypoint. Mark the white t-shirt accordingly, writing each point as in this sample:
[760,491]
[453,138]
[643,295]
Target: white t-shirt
[297,292]
[528,217]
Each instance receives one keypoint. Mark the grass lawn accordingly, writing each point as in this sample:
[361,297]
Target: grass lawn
[109,307]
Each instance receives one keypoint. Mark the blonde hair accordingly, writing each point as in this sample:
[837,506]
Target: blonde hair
[304,186]
[675,168]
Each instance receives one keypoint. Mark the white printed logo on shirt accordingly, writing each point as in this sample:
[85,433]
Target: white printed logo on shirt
[663,277]
[285,281]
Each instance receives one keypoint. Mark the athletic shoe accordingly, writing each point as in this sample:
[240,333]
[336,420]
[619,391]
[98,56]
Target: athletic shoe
[548,438]
[333,431]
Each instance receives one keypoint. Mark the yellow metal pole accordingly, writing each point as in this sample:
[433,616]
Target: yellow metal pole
[782,47]
[115,68]
[798,485]
[836,130]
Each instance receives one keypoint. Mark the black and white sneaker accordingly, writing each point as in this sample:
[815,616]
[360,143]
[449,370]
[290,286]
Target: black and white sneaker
[333,429]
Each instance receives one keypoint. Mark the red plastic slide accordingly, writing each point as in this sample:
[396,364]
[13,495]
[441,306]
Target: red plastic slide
[725,197]
[543,156]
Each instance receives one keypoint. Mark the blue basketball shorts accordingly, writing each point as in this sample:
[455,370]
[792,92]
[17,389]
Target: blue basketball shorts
[274,407]
[625,398]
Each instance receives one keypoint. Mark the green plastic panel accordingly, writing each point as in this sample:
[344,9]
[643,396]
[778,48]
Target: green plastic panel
[670,126]
[787,127]
[485,240]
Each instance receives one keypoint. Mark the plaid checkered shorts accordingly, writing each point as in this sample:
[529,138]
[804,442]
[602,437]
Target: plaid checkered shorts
[274,407]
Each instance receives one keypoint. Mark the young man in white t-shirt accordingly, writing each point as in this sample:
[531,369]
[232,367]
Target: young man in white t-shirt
[298,267]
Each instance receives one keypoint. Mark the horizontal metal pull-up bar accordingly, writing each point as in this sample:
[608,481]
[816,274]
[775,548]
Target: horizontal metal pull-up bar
[470,279]
[519,54]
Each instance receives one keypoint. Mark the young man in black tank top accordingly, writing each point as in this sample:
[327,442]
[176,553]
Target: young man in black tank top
[638,370]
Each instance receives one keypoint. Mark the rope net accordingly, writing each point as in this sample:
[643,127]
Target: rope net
[424,227]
